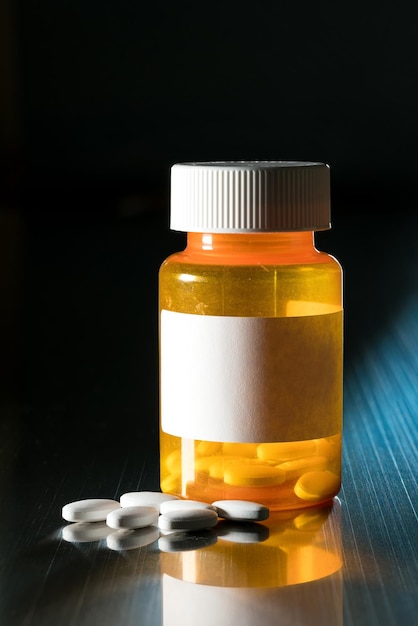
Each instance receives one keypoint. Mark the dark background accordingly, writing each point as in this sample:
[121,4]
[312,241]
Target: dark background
[99,99]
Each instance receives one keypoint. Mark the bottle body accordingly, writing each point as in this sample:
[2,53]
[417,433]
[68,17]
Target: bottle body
[251,397]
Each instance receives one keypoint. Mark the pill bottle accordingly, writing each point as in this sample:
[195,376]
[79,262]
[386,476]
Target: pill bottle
[251,334]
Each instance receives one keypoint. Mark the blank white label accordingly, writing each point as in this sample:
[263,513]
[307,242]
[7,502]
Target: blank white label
[250,379]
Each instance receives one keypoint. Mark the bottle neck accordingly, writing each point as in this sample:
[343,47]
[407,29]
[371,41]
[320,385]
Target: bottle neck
[295,246]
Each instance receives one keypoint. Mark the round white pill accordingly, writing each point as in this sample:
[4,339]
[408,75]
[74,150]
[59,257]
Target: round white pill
[89,510]
[179,505]
[145,498]
[241,510]
[131,539]
[82,532]
[130,517]
[188,519]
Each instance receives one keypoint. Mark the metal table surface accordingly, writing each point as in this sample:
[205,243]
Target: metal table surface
[79,419]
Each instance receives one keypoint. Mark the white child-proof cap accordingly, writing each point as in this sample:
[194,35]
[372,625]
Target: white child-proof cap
[250,196]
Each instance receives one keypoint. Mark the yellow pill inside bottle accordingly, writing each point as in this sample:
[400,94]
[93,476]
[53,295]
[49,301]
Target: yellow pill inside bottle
[317,486]
[297,467]
[207,448]
[203,464]
[217,465]
[252,475]
[171,484]
[285,451]
[241,449]
[173,462]
[217,468]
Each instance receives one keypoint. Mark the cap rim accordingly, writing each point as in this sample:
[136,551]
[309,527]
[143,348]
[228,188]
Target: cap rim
[250,196]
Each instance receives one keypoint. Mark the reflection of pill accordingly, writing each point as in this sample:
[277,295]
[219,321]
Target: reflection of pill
[130,517]
[183,542]
[299,466]
[241,510]
[82,532]
[177,505]
[131,539]
[317,485]
[312,519]
[145,498]
[89,510]
[285,451]
[242,532]
[188,519]
[254,475]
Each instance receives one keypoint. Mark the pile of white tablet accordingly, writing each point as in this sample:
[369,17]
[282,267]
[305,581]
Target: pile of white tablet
[141,517]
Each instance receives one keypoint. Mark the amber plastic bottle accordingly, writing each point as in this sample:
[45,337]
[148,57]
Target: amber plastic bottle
[251,337]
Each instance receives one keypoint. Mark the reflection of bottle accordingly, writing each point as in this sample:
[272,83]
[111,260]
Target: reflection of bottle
[251,337]
[292,577]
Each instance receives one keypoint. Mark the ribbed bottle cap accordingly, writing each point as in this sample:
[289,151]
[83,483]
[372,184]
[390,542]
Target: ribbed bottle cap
[256,196]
